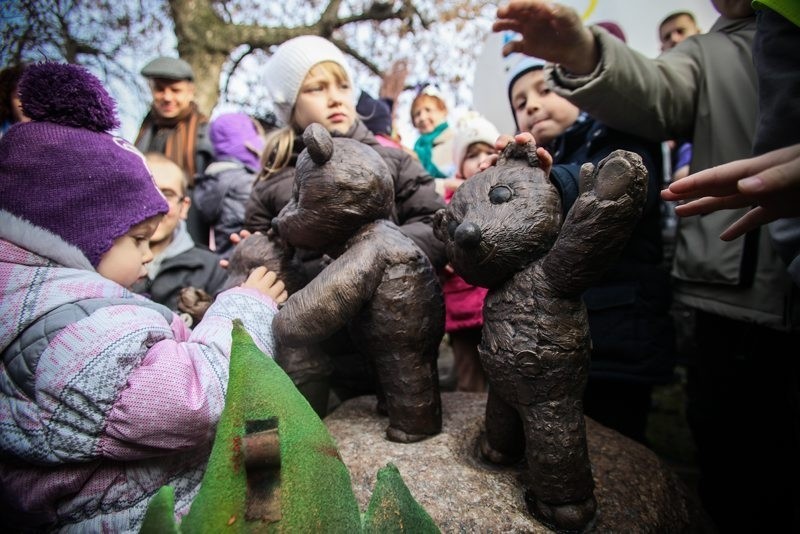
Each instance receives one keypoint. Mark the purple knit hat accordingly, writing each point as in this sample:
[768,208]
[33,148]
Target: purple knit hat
[64,173]
[232,134]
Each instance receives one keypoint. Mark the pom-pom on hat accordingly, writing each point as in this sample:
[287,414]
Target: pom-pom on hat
[64,173]
[613,28]
[471,128]
[289,65]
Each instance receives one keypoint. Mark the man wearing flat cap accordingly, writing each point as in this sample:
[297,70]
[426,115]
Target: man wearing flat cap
[176,128]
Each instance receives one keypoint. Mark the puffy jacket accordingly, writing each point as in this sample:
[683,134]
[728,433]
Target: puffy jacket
[220,194]
[105,396]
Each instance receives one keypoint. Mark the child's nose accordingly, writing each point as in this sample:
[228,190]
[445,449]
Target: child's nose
[147,254]
[335,96]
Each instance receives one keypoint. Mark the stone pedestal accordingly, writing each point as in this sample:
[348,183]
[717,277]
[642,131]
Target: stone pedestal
[635,491]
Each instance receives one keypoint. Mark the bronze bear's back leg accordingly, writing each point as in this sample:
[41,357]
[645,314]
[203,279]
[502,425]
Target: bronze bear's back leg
[410,382]
[504,439]
[309,368]
[560,489]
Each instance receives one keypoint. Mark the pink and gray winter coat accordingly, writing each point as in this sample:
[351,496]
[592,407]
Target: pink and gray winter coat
[104,395]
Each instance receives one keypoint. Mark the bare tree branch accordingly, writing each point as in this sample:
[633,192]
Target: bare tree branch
[366,62]
[210,33]
[235,66]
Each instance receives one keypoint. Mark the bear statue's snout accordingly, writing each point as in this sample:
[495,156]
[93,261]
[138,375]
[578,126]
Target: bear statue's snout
[468,235]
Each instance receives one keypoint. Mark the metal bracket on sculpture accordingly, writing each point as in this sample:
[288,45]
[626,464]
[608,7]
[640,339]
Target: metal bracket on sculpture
[261,452]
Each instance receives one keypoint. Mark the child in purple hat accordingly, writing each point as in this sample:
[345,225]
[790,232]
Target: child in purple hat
[105,396]
[221,193]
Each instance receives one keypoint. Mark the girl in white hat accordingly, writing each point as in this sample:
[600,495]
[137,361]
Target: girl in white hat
[309,82]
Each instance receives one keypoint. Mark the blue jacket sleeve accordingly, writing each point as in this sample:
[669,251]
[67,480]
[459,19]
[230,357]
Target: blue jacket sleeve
[566,177]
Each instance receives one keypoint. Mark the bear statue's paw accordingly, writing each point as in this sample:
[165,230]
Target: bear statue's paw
[615,174]
[400,436]
[568,517]
[494,456]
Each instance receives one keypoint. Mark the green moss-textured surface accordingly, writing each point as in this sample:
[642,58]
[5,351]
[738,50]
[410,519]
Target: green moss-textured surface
[315,490]
[160,516]
[392,508]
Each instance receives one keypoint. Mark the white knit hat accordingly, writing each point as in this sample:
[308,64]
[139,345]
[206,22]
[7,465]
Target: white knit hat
[471,128]
[289,66]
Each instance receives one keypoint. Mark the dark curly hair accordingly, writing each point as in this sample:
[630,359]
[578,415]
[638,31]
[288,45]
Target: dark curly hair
[9,78]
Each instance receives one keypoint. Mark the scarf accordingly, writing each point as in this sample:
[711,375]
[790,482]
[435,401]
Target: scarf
[424,149]
[181,142]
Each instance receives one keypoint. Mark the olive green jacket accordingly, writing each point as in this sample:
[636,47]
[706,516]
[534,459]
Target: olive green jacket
[703,90]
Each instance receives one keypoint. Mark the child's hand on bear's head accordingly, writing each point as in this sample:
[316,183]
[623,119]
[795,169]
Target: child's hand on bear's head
[545,159]
[267,283]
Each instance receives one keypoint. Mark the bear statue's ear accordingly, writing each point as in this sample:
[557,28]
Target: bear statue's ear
[319,143]
[524,153]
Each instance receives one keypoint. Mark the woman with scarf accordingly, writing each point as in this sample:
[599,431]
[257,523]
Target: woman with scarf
[434,147]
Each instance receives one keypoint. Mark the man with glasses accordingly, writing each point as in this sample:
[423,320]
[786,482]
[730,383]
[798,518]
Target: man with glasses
[177,261]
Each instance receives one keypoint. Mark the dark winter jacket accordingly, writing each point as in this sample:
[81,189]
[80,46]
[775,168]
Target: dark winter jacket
[197,267]
[416,199]
[220,195]
[631,329]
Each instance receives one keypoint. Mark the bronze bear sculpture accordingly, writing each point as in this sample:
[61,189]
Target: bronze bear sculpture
[504,230]
[379,285]
[308,366]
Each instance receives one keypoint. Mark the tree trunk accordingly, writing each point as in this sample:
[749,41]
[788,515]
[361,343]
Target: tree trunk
[203,44]
[207,68]
[206,41]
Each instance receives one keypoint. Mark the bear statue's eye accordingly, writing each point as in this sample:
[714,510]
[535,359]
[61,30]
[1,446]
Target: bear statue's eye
[500,194]
[451,229]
